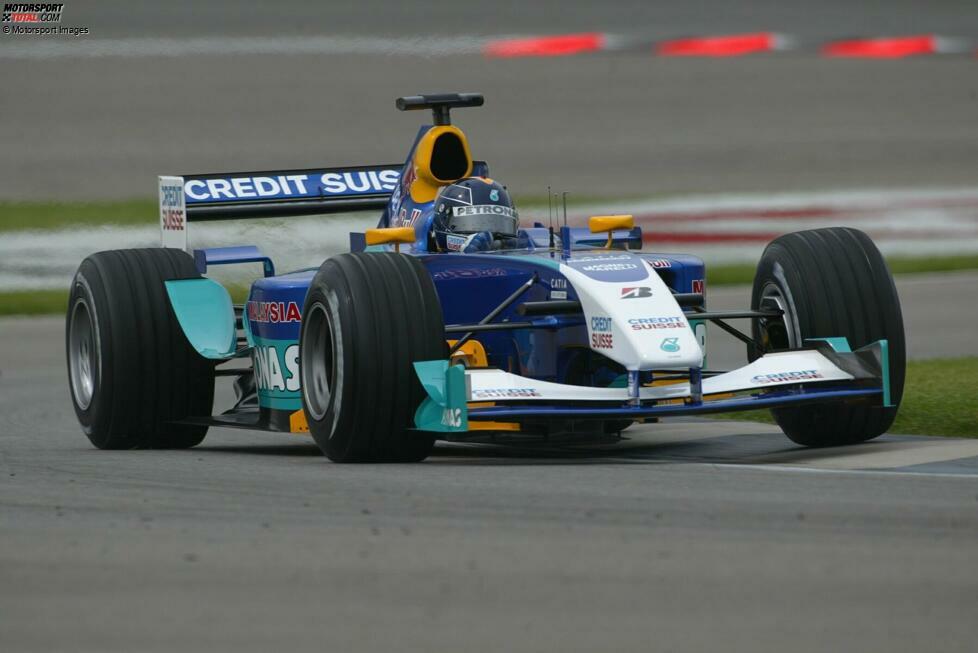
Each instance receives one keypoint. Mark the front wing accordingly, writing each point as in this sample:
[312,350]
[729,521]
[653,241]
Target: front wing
[828,371]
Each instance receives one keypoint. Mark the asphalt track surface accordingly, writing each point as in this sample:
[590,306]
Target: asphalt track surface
[610,125]
[690,535]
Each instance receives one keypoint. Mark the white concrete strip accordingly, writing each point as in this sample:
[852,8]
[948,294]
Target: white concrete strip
[420,45]
[876,454]
[899,222]
[733,228]
[32,260]
[841,199]
[847,472]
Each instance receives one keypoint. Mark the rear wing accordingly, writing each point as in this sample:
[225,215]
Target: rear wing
[288,193]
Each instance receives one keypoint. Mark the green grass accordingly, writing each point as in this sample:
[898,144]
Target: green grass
[939,399]
[20,216]
[33,302]
[53,302]
[727,275]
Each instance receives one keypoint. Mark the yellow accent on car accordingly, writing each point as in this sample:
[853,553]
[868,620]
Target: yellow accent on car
[441,157]
[396,235]
[472,353]
[298,423]
[600,224]
[493,426]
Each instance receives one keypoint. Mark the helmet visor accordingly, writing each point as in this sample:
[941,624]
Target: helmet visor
[484,217]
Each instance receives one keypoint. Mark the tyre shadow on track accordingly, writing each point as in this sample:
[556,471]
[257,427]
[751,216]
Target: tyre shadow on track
[645,450]
[745,447]
[294,449]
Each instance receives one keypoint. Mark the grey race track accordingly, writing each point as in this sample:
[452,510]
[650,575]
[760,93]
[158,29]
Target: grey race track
[691,535]
[623,123]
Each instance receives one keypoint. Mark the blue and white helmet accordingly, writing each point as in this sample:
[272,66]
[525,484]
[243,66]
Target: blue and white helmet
[473,205]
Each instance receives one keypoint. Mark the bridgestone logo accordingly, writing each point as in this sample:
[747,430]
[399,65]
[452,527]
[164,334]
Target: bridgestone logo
[484,209]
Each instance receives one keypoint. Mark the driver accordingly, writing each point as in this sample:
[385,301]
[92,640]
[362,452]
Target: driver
[474,214]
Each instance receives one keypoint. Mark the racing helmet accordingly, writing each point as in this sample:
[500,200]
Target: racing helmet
[473,205]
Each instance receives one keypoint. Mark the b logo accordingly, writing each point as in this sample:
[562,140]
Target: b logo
[494,195]
[636,293]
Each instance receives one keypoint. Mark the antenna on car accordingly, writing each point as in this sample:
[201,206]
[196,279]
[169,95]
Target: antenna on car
[440,104]
[550,211]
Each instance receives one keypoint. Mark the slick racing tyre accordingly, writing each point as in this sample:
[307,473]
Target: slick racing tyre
[131,371]
[367,318]
[830,282]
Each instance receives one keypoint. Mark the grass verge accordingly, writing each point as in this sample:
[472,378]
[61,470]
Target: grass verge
[939,399]
[728,275]
[55,302]
[21,216]
[33,302]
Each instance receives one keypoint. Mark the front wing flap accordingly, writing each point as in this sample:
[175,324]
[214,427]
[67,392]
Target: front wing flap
[829,370]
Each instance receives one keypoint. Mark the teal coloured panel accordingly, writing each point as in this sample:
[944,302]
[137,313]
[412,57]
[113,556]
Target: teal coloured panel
[276,366]
[885,364]
[840,344]
[445,409]
[206,315]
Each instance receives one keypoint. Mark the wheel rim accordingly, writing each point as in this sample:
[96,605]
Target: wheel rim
[83,354]
[776,332]
[316,367]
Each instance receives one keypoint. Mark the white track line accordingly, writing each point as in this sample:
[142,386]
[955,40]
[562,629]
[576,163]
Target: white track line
[425,46]
[875,455]
[826,470]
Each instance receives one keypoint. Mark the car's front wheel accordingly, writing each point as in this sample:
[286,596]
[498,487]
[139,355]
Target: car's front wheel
[830,283]
[131,371]
[368,317]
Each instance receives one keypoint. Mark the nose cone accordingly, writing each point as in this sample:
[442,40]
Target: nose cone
[631,315]
[662,342]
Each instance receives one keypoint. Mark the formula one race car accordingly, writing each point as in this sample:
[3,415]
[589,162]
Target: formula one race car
[451,320]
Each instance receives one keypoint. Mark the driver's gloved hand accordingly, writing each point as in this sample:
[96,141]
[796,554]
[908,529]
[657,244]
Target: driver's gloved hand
[479,242]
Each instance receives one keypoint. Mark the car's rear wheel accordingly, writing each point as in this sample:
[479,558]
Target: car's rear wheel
[131,371]
[829,283]
[368,317]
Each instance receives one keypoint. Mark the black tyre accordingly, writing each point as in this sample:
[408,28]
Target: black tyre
[367,318]
[131,370]
[831,282]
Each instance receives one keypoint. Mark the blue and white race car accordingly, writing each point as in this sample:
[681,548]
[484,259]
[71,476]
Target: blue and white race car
[453,321]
